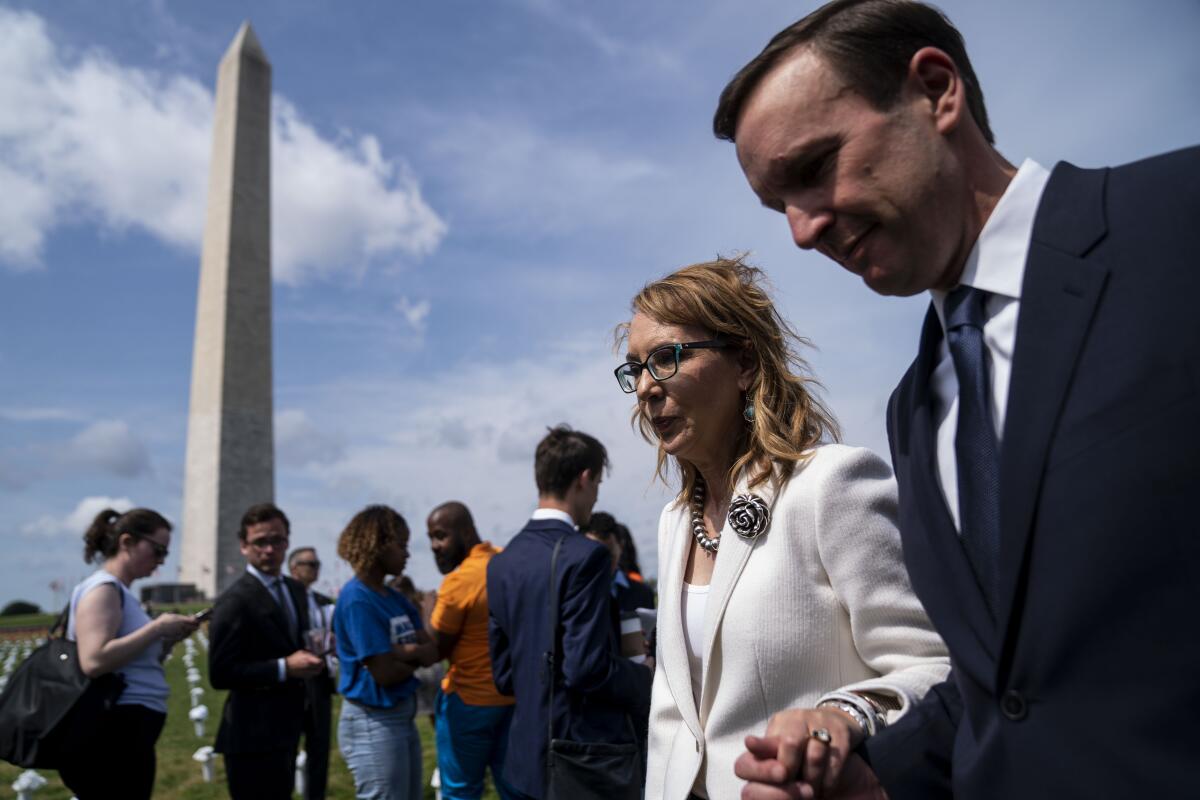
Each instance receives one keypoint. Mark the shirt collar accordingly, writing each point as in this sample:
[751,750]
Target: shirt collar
[267,580]
[996,264]
[554,513]
[482,549]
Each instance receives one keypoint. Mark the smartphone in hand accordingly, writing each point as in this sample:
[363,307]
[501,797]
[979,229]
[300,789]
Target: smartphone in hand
[202,616]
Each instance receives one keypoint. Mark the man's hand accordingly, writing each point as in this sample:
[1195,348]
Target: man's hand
[790,763]
[303,664]
[766,777]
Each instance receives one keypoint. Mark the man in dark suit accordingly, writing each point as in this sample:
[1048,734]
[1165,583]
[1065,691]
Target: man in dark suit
[595,689]
[1045,439]
[305,567]
[256,651]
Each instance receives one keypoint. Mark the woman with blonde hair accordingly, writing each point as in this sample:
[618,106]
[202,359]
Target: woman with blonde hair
[781,580]
[381,642]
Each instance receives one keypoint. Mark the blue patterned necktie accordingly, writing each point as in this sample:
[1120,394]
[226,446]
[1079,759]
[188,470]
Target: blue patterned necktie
[976,449]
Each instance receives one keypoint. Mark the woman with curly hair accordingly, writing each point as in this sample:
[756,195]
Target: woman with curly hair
[381,642]
[781,581]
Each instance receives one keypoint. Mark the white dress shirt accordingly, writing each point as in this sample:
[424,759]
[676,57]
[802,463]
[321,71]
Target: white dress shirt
[554,513]
[996,265]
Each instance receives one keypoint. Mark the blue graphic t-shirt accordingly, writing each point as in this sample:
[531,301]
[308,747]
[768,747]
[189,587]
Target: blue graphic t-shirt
[367,624]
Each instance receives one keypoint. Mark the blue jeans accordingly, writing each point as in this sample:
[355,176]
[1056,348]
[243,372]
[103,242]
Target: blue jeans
[382,749]
[469,740]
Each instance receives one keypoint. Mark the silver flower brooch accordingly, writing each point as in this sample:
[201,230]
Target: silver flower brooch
[749,516]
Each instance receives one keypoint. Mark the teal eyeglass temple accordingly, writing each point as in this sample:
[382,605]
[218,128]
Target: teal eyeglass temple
[663,362]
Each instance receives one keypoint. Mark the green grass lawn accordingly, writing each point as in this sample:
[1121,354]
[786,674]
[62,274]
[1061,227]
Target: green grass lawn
[179,776]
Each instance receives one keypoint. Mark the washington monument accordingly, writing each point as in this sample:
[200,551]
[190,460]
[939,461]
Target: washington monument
[230,446]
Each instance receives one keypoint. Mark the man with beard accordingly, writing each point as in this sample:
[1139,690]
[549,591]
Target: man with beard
[472,717]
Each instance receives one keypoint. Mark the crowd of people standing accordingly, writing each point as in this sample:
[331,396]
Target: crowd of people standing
[976,625]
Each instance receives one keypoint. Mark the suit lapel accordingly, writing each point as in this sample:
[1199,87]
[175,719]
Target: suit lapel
[1059,295]
[731,561]
[264,598]
[670,625]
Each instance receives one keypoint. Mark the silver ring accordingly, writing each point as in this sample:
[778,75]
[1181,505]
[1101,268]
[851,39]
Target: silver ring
[822,735]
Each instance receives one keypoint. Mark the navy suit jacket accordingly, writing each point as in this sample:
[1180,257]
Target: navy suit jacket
[247,637]
[597,689]
[1088,681]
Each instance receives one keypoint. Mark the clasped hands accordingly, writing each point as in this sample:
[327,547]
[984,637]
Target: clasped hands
[789,762]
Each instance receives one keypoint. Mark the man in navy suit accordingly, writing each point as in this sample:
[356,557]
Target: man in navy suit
[1045,439]
[596,691]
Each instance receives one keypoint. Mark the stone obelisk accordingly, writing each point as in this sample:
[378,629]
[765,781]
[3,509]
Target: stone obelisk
[230,447]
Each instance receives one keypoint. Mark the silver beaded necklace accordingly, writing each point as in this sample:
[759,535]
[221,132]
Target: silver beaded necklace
[698,529]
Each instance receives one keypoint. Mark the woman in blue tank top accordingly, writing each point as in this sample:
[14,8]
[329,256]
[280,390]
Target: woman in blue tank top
[114,634]
[381,642]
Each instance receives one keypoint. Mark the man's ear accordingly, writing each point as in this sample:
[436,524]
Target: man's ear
[933,75]
[583,477]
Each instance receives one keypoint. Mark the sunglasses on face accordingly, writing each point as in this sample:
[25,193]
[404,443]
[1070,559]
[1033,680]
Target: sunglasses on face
[160,549]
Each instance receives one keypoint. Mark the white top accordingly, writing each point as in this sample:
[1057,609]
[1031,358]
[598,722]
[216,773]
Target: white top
[996,265]
[145,683]
[819,602]
[692,604]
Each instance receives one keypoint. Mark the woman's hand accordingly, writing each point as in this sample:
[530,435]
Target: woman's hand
[808,758]
[175,627]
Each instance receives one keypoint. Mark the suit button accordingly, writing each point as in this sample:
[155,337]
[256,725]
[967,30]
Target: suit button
[1013,706]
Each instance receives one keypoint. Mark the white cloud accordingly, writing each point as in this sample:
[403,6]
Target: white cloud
[75,522]
[340,205]
[38,414]
[520,179]
[129,148]
[579,24]
[108,445]
[299,442]
[415,314]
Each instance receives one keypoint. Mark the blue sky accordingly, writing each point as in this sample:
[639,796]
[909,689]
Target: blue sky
[466,195]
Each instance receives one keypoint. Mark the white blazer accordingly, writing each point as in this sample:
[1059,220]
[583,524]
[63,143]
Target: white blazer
[820,601]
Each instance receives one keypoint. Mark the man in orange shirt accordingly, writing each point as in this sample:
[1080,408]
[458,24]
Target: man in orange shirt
[472,717]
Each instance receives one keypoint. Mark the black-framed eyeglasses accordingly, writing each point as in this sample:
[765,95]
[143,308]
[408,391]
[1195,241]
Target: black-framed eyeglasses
[263,542]
[160,549]
[306,563]
[663,362]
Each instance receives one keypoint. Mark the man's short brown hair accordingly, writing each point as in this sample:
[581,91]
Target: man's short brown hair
[869,43]
[562,456]
[263,512]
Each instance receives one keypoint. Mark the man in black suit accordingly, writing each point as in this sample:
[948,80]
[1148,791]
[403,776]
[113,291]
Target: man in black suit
[596,691]
[256,651]
[1045,439]
[305,567]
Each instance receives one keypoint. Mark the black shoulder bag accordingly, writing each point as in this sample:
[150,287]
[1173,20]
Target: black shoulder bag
[584,770]
[49,707]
